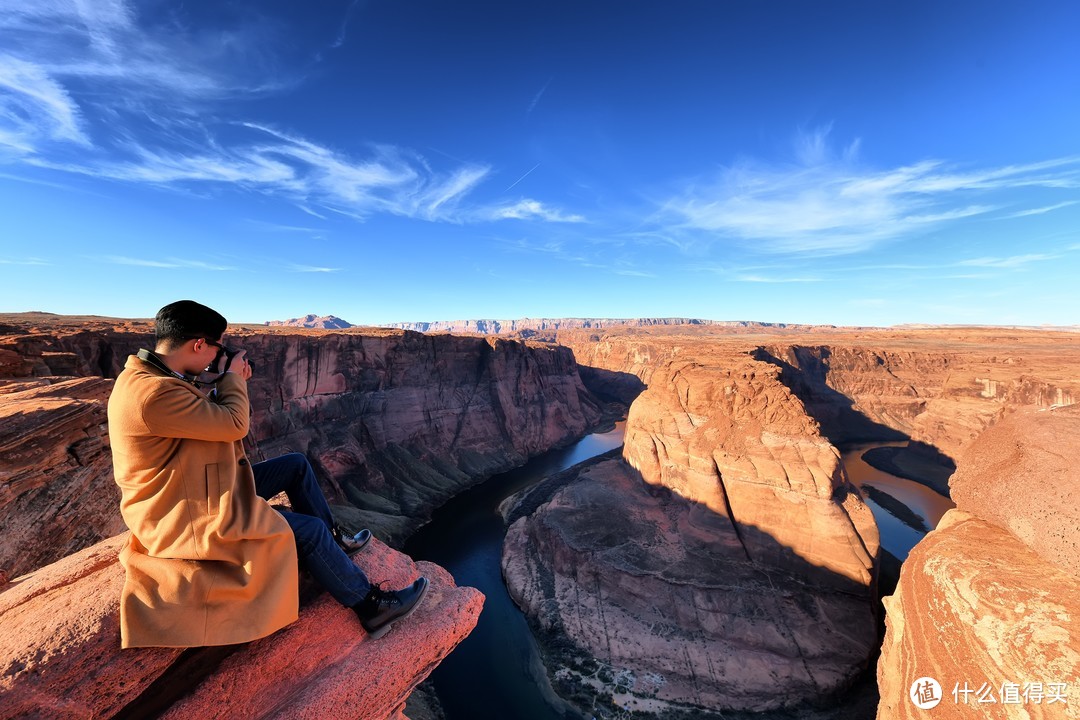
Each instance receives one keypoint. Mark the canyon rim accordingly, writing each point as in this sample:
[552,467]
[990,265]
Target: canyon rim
[722,562]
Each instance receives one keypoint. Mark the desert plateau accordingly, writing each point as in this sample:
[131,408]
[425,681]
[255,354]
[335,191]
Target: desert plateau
[720,561]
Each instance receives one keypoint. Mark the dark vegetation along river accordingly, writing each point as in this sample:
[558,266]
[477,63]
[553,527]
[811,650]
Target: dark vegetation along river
[496,673]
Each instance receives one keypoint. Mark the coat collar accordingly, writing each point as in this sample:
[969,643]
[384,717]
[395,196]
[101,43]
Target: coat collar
[158,364]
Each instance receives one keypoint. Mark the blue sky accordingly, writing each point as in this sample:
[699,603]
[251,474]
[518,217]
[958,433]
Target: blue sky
[826,162]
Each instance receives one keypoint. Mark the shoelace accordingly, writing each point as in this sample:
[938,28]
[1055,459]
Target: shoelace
[379,596]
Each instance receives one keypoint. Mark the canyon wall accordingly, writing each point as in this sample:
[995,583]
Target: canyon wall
[940,388]
[724,564]
[395,422]
[740,571]
[988,604]
[57,493]
[944,397]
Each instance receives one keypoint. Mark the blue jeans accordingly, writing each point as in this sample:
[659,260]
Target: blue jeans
[311,522]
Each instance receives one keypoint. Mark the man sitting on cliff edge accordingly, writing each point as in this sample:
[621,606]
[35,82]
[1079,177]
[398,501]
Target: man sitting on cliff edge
[209,561]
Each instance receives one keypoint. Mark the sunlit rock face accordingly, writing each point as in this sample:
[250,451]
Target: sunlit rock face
[737,478]
[727,434]
[60,653]
[725,563]
[324,322]
[944,395]
[939,386]
[395,423]
[1021,475]
[992,596]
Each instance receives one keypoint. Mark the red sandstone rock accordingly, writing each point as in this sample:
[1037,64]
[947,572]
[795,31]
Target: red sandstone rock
[56,490]
[993,594]
[753,589]
[659,590]
[396,423]
[750,441]
[1021,475]
[60,641]
[59,638]
[975,606]
[732,437]
[940,386]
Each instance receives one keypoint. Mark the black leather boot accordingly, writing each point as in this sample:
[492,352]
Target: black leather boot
[351,544]
[380,609]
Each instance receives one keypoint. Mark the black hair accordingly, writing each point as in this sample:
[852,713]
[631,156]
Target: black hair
[187,320]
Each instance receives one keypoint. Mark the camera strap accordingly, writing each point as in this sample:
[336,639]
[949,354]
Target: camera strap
[152,359]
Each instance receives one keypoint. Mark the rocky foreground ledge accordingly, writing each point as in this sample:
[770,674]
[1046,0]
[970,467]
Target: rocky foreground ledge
[988,604]
[61,656]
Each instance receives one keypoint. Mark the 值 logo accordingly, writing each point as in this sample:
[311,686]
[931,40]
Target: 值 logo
[925,693]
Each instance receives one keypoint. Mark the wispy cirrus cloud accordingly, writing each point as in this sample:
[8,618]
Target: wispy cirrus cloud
[278,227]
[1007,262]
[594,256]
[312,269]
[829,203]
[528,209]
[68,65]
[167,263]
[1042,210]
[97,89]
[35,106]
[774,279]
[24,261]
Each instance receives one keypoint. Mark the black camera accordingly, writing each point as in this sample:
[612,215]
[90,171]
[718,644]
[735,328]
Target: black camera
[229,354]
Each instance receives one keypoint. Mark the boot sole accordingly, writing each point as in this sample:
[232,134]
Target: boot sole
[388,626]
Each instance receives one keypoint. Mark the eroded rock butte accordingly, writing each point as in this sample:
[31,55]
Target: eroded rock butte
[736,438]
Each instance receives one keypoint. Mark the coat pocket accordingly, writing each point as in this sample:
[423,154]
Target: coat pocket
[213,489]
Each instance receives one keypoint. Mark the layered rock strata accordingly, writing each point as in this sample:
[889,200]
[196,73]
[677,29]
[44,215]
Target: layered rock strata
[995,624]
[400,422]
[57,494]
[60,649]
[726,564]
[989,602]
[940,388]
[395,423]
[742,428]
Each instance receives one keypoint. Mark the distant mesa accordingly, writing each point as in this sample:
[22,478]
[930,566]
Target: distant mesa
[324,322]
[507,327]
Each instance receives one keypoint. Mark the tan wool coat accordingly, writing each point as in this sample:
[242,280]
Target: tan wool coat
[208,561]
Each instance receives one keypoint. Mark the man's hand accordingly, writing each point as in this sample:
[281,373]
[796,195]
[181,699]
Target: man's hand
[240,365]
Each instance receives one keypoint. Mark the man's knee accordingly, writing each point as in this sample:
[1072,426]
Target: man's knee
[296,461]
[308,531]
